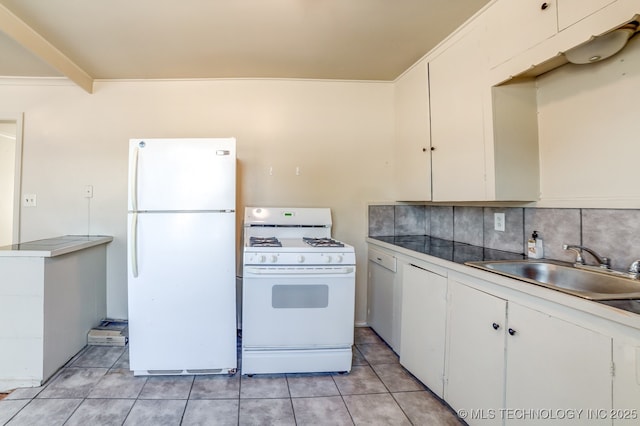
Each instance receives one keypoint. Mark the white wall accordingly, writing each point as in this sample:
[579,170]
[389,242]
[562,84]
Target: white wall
[339,134]
[589,130]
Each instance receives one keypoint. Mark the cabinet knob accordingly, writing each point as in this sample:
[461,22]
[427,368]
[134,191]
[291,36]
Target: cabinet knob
[512,331]
[433,148]
[495,326]
[544,6]
[424,149]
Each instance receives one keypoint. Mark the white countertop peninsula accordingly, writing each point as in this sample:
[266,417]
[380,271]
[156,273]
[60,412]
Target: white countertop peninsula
[52,292]
[51,247]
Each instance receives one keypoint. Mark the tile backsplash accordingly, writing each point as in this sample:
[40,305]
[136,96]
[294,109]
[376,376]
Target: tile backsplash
[610,232]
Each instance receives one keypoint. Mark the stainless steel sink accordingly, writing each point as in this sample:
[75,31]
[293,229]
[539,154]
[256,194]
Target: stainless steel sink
[565,277]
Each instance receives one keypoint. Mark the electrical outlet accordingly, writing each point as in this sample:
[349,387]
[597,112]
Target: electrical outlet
[29,200]
[88,191]
[498,221]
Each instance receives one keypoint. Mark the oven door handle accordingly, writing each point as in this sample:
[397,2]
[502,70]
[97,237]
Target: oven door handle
[343,270]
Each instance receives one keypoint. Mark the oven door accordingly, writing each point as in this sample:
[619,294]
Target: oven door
[298,307]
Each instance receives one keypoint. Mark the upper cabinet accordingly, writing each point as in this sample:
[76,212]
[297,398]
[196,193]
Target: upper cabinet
[571,11]
[484,139]
[515,26]
[467,114]
[413,141]
[527,38]
[457,82]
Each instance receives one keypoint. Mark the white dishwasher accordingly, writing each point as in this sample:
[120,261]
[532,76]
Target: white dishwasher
[383,297]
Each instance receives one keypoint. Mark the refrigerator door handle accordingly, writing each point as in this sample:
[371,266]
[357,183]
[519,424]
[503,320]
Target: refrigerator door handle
[134,244]
[133,190]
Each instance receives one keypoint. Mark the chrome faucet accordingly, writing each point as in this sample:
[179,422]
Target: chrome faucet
[634,269]
[604,262]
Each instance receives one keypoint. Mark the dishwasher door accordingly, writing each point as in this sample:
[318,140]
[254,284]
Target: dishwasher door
[381,298]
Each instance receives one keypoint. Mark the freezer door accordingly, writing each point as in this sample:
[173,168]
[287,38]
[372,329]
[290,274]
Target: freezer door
[182,306]
[182,174]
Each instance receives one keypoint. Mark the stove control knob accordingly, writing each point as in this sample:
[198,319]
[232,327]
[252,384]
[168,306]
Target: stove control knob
[273,258]
[338,259]
[262,258]
[327,259]
[300,258]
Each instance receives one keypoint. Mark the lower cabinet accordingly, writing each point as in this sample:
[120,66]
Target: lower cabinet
[510,363]
[476,354]
[424,307]
[499,357]
[626,384]
[557,366]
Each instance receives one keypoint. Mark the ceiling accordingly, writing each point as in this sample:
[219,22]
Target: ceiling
[86,40]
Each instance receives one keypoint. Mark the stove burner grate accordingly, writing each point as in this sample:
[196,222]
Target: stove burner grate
[322,242]
[264,242]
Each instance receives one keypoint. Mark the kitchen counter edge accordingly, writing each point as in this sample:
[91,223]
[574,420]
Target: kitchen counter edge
[621,316]
[52,247]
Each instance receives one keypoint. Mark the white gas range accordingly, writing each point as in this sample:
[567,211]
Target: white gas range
[298,293]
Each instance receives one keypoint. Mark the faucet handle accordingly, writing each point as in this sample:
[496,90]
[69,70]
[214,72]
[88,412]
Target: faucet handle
[579,258]
[634,268]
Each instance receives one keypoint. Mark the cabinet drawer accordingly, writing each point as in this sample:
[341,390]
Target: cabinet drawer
[383,259]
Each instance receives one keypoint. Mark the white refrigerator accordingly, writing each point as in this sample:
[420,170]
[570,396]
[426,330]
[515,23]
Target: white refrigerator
[181,256]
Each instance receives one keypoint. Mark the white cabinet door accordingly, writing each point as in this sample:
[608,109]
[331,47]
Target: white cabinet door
[555,365]
[571,11]
[457,87]
[413,139]
[381,300]
[476,357]
[515,26]
[424,308]
[626,382]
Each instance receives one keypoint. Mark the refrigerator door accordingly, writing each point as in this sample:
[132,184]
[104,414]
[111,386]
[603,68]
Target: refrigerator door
[182,303]
[182,174]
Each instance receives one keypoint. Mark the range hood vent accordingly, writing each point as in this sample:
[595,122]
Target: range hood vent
[595,49]
[603,46]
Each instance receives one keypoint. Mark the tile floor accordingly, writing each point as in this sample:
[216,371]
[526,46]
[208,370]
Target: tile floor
[97,388]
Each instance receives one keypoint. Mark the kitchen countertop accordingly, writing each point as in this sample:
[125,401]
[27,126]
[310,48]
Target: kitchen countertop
[448,250]
[459,253]
[51,247]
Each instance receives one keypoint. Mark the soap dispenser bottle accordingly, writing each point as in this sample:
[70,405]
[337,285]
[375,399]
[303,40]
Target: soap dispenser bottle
[535,249]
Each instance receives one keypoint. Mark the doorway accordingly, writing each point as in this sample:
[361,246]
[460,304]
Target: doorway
[10,177]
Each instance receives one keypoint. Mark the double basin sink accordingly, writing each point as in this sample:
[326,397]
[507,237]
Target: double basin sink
[591,284]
